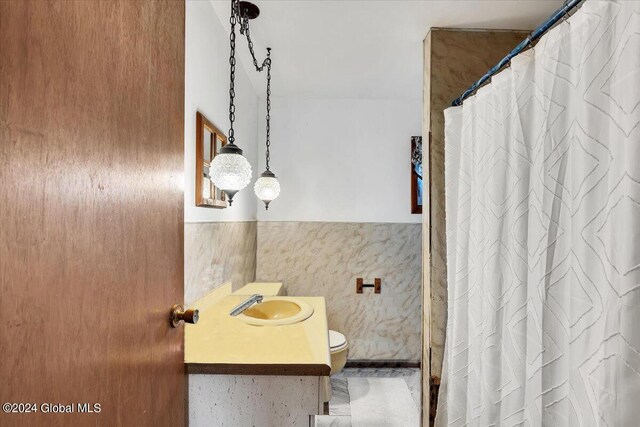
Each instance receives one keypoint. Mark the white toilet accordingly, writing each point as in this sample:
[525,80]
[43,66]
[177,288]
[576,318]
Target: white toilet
[339,348]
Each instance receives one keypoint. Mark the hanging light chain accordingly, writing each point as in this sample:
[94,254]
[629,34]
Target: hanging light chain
[244,29]
[266,187]
[232,64]
[268,61]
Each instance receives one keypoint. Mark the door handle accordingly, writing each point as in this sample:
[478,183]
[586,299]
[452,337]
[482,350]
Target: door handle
[179,314]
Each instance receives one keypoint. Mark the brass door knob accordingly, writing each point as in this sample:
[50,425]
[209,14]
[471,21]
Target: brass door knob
[179,314]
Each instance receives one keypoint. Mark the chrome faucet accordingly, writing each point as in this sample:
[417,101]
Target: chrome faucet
[253,299]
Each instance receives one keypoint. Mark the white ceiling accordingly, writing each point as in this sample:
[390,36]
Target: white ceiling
[364,49]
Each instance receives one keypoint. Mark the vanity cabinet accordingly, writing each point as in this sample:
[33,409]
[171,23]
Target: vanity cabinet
[253,400]
[242,374]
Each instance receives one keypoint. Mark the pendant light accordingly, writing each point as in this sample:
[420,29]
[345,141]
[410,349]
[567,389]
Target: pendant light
[267,187]
[230,170]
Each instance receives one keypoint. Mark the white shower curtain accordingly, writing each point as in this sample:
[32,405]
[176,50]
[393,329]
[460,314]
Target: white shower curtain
[543,233]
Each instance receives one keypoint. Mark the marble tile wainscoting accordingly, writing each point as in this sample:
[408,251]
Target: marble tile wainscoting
[325,258]
[218,252]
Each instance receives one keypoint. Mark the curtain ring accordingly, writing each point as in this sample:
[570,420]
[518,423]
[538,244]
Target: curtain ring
[565,15]
[530,43]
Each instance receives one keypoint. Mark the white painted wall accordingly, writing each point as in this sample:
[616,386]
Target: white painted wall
[207,91]
[336,159]
[344,160]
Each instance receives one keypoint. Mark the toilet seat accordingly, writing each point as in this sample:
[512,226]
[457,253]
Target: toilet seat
[337,341]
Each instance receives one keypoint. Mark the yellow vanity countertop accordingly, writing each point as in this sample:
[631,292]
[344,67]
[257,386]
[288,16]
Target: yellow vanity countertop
[222,344]
[262,288]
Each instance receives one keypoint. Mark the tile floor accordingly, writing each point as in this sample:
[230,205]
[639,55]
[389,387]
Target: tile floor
[339,406]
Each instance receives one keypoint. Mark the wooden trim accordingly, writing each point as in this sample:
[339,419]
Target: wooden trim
[203,123]
[302,370]
[199,157]
[428,184]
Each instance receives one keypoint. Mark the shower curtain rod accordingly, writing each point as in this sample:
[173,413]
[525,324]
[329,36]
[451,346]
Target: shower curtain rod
[535,35]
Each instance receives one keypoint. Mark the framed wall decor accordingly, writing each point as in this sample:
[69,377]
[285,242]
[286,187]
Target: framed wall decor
[416,174]
[209,141]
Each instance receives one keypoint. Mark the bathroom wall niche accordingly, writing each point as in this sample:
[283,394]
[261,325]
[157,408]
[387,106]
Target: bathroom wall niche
[209,141]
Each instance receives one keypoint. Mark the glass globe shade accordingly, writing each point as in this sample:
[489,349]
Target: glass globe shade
[267,188]
[230,172]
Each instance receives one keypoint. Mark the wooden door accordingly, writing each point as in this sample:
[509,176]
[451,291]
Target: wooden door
[91,210]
